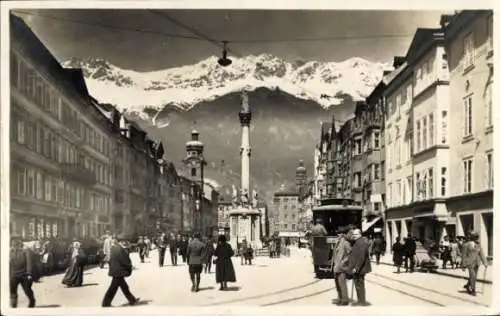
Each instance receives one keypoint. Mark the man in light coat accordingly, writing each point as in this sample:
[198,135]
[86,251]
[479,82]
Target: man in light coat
[341,255]
[472,258]
[106,248]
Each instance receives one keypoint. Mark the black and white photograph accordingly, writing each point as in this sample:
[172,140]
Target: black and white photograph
[179,157]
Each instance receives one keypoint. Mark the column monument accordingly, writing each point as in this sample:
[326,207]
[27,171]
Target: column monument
[244,218]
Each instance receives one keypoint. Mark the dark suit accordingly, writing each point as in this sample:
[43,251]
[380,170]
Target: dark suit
[21,271]
[410,250]
[195,252]
[359,266]
[120,266]
[161,244]
[172,244]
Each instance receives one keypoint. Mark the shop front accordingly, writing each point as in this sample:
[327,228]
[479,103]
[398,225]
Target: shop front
[474,212]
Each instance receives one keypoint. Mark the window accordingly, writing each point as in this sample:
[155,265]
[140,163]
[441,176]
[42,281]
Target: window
[376,171]
[424,133]
[39,186]
[21,181]
[490,174]
[357,147]
[489,106]
[31,181]
[443,181]
[398,192]
[376,140]
[444,127]
[377,206]
[418,186]
[467,169]
[389,194]
[431,129]
[468,50]
[467,123]
[409,183]
[490,32]
[382,170]
[357,180]
[431,182]
[293,226]
[417,140]
[20,131]
[48,188]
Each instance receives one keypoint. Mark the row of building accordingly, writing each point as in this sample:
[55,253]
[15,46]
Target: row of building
[418,153]
[78,167]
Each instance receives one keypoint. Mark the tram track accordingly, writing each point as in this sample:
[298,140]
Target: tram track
[429,296]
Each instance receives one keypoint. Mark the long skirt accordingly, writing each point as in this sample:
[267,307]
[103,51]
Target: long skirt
[224,270]
[74,274]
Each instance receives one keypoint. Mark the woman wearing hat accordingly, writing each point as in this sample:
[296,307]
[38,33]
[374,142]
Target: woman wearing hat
[224,269]
[74,274]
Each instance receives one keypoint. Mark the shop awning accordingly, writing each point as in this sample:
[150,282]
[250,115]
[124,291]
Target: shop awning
[365,225]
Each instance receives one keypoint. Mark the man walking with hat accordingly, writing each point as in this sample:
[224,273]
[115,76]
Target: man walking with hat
[195,256]
[472,257]
[120,266]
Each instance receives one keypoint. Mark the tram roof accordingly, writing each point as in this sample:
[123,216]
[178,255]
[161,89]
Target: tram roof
[337,208]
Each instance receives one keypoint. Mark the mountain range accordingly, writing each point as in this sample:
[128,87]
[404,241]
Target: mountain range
[289,100]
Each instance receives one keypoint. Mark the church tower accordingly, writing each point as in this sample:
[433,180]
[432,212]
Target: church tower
[301,177]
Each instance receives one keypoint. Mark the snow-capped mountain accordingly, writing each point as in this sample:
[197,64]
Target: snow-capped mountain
[184,87]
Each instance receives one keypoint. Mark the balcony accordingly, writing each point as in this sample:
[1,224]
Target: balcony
[78,173]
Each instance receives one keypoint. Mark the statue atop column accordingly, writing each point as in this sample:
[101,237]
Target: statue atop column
[245,107]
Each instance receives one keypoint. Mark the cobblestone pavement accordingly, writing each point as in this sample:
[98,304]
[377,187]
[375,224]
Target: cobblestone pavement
[269,282]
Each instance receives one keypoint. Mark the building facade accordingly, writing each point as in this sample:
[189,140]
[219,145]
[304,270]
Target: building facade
[286,210]
[469,177]
[61,179]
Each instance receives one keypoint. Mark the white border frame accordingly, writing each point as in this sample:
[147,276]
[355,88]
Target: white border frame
[214,4]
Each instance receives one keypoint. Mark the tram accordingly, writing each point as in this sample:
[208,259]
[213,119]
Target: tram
[335,213]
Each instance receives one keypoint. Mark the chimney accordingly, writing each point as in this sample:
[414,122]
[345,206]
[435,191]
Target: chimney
[115,117]
[445,20]
[398,61]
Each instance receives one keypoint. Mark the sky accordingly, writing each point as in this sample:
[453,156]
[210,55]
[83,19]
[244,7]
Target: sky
[374,35]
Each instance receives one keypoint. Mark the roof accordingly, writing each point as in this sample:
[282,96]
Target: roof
[423,39]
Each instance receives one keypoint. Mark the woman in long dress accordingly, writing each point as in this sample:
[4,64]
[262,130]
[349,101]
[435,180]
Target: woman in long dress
[74,273]
[398,253]
[224,269]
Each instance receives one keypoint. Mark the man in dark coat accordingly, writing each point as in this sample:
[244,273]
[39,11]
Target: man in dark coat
[377,248]
[161,243]
[120,266]
[359,265]
[173,246]
[21,269]
[410,247]
[195,252]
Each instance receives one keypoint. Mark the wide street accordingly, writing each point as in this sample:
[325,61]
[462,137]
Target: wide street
[284,281]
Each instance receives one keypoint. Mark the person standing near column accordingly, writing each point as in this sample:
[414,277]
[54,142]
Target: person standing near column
[359,265]
[472,258]
[120,266]
[106,248]
[21,269]
[194,254]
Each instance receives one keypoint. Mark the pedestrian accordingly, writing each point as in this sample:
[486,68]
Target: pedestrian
[194,254]
[359,265]
[208,255]
[445,249]
[472,258]
[319,229]
[106,248]
[183,248]
[141,248]
[224,269]
[74,273]
[20,272]
[248,255]
[454,253]
[398,253]
[242,251]
[341,254]
[161,245]
[410,250]
[172,246]
[120,266]
[147,241]
[377,248]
